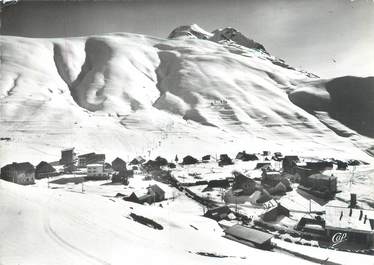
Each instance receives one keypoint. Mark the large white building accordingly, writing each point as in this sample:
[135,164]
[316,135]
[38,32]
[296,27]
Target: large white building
[95,170]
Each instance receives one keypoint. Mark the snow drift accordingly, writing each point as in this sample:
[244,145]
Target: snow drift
[127,94]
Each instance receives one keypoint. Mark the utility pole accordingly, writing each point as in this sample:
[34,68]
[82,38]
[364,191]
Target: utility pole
[236,205]
[310,206]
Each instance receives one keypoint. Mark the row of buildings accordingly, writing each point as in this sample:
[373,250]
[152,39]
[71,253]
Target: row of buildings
[25,173]
[93,162]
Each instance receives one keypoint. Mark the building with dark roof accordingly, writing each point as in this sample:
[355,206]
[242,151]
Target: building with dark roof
[218,213]
[243,185]
[154,194]
[274,212]
[289,162]
[224,160]
[302,173]
[279,189]
[217,183]
[20,173]
[189,160]
[90,158]
[263,165]
[68,156]
[44,170]
[118,164]
[137,161]
[319,165]
[132,198]
[246,157]
[320,185]
[249,236]
[271,177]
[157,193]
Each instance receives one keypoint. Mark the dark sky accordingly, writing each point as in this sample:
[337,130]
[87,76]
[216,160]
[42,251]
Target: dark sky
[327,37]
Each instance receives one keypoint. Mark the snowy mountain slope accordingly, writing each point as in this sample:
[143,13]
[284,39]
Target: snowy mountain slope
[41,226]
[127,94]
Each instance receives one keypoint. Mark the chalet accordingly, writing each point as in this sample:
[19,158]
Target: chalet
[249,236]
[320,185]
[264,197]
[243,185]
[274,212]
[224,160]
[132,198]
[278,189]
[146,198]
[161,161]
[68,156]
[206,158]
[189,160]
[154,194]
[219,213]
[319,165]
[157,193]
[246,157]
[271,177]
[118,178]
[345,226]
[263,165]
[90,158]
[44,170]
[289,162]
[341,165]
[155,165]
[122,176]
[95,170]
[218,183]
[20,173]
[151,165]
[118,164]
[137,161]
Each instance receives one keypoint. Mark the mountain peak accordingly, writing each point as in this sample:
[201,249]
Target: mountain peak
[227,34]
[192,30]
[231,34]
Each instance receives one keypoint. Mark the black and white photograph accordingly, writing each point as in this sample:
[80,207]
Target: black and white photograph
[183,132]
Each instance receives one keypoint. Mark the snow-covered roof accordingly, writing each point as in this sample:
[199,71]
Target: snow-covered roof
[248,234]
[94,165]
[343,218]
